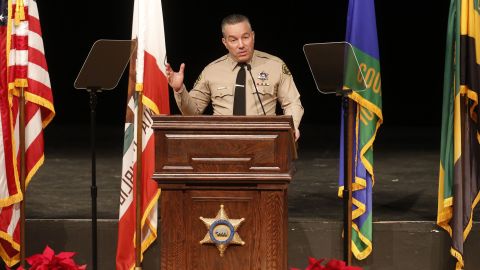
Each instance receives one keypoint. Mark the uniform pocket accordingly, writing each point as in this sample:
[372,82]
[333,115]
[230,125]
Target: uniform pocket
[265,90]
[221,91]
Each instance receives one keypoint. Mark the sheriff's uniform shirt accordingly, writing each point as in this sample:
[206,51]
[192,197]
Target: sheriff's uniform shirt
[216,84]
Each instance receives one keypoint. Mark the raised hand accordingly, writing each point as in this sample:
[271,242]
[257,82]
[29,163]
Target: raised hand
[175,79]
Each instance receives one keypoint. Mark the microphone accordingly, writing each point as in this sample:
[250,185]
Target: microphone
[249,68]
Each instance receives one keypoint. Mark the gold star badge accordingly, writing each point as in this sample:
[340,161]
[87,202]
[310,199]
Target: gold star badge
[222,231]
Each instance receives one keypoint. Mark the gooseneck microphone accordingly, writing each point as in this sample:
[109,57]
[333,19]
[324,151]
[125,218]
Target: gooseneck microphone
[249,68]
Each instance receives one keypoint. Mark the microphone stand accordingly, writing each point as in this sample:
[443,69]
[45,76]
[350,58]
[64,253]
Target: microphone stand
[93,188]
[249,68]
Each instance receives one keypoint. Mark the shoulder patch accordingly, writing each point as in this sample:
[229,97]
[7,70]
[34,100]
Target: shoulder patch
[285,70]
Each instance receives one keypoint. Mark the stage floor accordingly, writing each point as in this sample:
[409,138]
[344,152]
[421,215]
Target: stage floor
[406,174]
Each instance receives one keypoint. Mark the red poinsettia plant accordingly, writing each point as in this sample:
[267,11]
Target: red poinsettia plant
[314,264]
[49,261]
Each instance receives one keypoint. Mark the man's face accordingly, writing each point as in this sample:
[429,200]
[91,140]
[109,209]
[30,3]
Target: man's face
[239,40]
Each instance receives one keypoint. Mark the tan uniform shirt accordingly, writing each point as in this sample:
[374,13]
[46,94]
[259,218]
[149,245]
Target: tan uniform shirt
[216,84]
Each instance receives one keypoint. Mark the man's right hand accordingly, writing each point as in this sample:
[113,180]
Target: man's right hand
[175,79]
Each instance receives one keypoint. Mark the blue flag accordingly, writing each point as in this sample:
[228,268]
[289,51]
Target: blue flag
[362,34]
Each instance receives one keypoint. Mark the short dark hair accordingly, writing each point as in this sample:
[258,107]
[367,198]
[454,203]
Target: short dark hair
[234,19]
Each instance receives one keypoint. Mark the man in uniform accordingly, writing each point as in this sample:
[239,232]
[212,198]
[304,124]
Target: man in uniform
[223,81]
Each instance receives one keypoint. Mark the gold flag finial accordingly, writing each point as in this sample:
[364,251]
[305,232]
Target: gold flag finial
[19,12]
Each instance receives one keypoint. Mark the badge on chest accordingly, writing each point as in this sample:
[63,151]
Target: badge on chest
[263,77]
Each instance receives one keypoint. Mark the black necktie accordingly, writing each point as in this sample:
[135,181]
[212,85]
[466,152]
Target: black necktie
[239,104]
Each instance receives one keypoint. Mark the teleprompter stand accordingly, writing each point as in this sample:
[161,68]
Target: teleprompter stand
[335,70]
[101,70]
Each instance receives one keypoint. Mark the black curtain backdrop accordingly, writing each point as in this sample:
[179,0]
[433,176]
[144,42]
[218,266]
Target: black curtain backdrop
[411,40]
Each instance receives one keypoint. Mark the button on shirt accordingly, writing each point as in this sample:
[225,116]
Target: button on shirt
[216,84]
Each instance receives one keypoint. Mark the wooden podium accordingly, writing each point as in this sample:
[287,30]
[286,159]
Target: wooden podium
[241,164]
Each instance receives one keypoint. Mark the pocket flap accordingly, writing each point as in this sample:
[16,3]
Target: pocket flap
[221,91]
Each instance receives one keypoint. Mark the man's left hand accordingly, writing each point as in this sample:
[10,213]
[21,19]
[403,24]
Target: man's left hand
[297,134]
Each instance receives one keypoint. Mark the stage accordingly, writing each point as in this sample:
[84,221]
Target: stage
[406,151]
[404,198]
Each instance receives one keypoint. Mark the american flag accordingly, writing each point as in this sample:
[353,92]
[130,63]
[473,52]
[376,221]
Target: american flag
[23,65]
[3,13]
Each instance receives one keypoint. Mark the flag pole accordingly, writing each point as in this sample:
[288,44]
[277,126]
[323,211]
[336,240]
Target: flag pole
[139,182]
[348,116]
[22,174]
[138,177]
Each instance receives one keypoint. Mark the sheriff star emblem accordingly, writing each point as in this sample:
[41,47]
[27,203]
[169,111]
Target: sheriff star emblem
[222,231]
[263,76]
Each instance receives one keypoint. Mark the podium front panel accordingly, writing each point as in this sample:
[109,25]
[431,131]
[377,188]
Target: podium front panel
[241,163]
[264,229]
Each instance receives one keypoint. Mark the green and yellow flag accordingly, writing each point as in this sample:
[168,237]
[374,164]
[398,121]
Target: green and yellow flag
[459,176]
[362,35]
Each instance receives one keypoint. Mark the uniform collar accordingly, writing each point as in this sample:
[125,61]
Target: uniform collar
[233,64]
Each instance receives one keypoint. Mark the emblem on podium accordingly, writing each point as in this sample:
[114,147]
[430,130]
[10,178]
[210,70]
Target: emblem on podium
[222,231]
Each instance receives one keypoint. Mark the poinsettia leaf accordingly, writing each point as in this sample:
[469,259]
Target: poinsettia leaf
[34,266]
[65,254]
[36,258]
[49,261]
[318,267]
[67,267]
[315,264]
[311,260]
[48,253]
[67,261]
[335,264]
[69,264]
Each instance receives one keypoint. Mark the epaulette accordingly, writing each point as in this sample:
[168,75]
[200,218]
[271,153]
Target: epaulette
[221,59]
[265,55]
